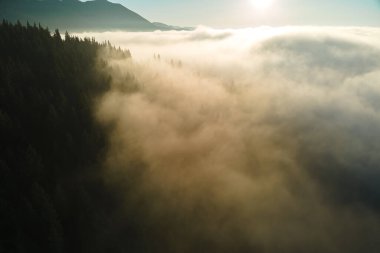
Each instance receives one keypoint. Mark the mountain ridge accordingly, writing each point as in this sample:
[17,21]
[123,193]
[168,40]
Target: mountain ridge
[77,16]
[166,27]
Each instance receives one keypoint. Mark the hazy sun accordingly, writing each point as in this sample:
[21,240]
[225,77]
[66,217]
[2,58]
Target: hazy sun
[262,4]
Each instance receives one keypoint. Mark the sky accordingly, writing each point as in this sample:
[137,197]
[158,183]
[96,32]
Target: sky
[245,13]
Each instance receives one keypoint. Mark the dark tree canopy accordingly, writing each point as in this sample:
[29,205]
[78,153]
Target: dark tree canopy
[52,195]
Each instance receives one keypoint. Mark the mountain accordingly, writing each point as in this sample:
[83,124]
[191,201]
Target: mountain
[74,15]
[165,27]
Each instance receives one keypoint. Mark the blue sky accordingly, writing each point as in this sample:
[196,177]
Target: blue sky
[241,13]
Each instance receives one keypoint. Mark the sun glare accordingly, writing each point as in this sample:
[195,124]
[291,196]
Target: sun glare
[262,5]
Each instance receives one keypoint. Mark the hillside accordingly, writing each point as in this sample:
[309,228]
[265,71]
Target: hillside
[74,15]
[165,27]
[52,196]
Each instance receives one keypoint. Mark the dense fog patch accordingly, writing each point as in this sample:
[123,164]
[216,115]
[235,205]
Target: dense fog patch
[253,140]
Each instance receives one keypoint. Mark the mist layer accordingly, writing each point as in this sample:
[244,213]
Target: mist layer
[254,140]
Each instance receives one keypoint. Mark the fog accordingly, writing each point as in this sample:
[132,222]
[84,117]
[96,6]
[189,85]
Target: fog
[250,140]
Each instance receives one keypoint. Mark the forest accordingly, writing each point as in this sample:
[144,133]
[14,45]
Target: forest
[52,195]
[199,143]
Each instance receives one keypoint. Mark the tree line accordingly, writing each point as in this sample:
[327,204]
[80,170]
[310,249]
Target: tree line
[52,194]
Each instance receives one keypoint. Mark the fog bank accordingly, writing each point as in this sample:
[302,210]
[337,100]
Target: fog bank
[251,140]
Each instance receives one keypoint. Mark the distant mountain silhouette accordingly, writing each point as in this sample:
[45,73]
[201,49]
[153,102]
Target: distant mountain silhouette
[165,27]
[73,15]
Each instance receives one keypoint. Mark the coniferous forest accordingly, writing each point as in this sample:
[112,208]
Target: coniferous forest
[246,140]
[52,196]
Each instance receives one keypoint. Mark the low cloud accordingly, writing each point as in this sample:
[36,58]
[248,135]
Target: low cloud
[253,140]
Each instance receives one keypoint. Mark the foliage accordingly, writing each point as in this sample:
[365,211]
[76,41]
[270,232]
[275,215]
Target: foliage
[52,196]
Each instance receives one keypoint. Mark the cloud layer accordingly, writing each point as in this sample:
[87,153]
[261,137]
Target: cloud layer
[254,140]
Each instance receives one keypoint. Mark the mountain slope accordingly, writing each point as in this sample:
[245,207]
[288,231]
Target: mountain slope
[73,15]
[52,196]
[165,27]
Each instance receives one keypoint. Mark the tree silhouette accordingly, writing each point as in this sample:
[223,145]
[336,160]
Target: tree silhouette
[52,198]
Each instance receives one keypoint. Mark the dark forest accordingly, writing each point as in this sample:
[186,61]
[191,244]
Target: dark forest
[52,195]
